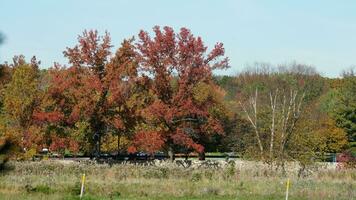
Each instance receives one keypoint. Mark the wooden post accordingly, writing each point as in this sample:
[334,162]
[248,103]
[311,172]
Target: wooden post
[82,188]
[287,190]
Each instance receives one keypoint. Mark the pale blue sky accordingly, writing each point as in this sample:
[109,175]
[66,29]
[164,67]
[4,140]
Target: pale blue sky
[321,33]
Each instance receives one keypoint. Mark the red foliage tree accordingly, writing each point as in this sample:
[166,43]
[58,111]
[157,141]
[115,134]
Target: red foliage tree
[60,144]
[178,63]
[94,89]
[150,141]
[167,80]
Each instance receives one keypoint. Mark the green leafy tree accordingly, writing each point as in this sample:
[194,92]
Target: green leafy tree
[345,114]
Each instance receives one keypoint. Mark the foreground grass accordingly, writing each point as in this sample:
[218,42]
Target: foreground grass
[56,180]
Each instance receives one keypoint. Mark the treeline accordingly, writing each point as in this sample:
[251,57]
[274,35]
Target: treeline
[158,93]
[289,112]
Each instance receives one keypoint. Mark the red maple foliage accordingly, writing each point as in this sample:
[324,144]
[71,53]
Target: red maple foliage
[60,144]
[156,81]
[150,141]
[94,88]
[177,63]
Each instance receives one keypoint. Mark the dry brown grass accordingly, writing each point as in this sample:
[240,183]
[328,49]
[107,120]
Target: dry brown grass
[244,180]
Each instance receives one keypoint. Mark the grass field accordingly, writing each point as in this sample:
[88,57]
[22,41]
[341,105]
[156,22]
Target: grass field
[61,180]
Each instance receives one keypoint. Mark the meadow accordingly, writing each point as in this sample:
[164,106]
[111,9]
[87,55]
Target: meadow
[240,180]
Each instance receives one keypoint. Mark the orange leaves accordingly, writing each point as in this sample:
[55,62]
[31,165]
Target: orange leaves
[51,117]
[150,141]
[181,138]
[131,149]
[73,146]
[117,123]
[158,111]
[213,126]
[93,51]
[59,144]
[180,58]
[75,91]
[151,82]
[95,89]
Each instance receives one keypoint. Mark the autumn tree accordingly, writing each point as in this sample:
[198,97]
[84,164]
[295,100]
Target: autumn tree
[21,96]
[94,95]
[5,78]
[346,109]
[272,100]
[128,94]
[184,104]
[331,138]
[6,141]
[340,103]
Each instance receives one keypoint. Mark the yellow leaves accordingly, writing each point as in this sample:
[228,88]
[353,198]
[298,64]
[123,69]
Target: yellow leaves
[110,143]
[134,100]
[331,138]
[29,154]
[201,92]
[21,94]
[79,132]
[212,96]
[149,127]
[204,92]
[12,133]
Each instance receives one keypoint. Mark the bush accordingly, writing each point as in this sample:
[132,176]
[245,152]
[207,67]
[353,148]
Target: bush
[346,161]
[29,154]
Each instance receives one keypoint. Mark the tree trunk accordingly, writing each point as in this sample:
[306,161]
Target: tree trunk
[171,154]
[253,104]
[152,156]
[273,99]
[118,145]
[99,146]
[202,155]
[96,146]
